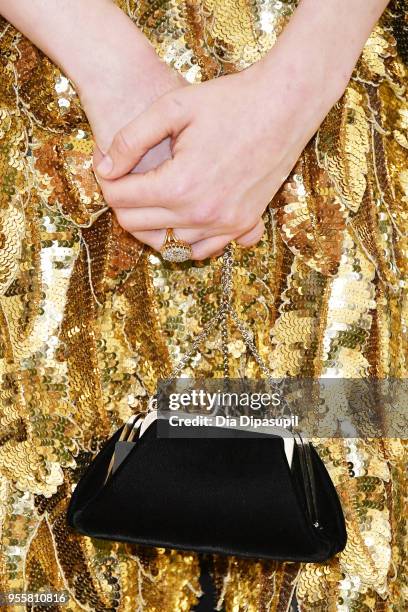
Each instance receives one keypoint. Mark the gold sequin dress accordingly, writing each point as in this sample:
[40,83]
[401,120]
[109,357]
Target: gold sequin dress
[89,319]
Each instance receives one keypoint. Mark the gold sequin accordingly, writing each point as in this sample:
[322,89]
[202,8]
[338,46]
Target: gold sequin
[90,319]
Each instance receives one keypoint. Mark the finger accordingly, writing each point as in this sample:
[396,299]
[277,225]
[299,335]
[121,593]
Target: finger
[141,219]
[253,236]
[201,248]
[209,247]
[155,239]
[140,190]
[162,119]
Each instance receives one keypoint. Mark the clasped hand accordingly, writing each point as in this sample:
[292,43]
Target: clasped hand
[233,141]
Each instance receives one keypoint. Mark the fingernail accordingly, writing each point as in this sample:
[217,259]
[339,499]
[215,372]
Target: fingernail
[105,166]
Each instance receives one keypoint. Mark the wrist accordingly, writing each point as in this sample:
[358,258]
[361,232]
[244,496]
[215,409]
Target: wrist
[110,51]
[306,70]
[319,47]
[121,75]
[121,80]
[291,80]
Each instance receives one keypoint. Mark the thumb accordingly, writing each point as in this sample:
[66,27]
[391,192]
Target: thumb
[160,120]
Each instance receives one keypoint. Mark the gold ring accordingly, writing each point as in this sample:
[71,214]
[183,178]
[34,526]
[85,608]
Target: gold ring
[175,250]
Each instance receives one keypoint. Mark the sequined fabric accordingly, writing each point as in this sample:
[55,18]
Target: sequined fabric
[89,319]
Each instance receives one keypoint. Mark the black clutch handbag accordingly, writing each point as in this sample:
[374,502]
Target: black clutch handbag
[259,495]
[235,495]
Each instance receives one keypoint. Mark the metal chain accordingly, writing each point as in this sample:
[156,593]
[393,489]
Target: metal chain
[226,287]
[226,274]
[194,347]
[224,344]
[224,312]
[228,310]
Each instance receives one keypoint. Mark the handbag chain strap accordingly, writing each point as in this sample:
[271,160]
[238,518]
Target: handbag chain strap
[225,312]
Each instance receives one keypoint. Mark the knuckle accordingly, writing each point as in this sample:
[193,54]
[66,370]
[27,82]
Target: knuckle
[180,188]
[122,143]
[204,214]
[198,215]
[234,220]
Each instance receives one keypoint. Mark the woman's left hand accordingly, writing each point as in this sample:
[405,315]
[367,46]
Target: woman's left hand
[234,140]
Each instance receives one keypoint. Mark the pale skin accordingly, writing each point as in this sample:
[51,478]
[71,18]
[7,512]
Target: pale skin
[203,159]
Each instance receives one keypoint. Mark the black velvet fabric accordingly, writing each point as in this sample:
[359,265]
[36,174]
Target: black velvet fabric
[232,496]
